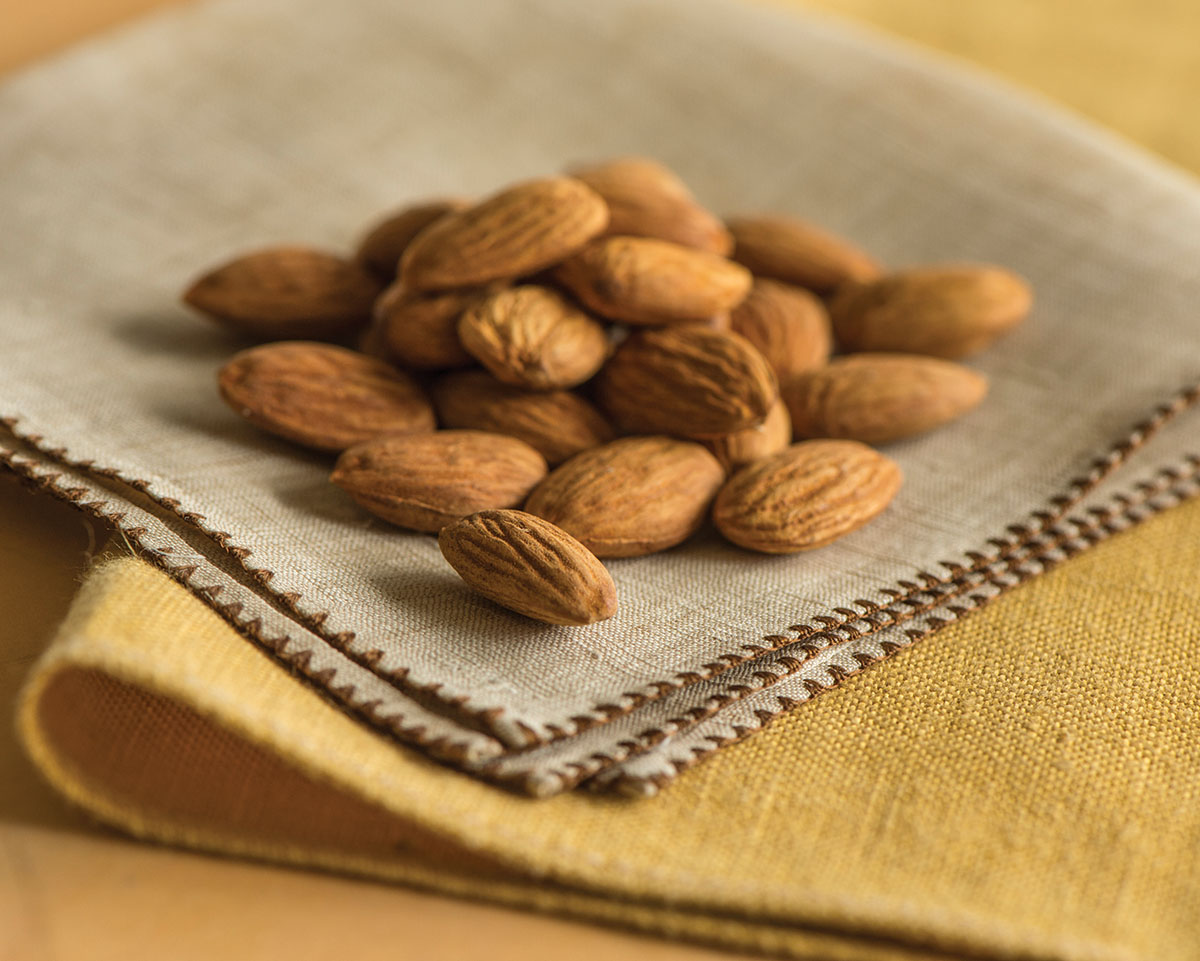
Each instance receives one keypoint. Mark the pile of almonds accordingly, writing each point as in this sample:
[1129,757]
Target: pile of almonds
[602,351]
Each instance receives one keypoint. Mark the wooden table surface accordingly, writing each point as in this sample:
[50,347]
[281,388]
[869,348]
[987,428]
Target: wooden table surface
[70,889]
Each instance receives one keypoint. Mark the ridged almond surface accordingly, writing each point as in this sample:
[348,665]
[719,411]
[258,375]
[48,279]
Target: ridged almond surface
[287,293]
[743,447]
[788,325]
[420,330]
[640,280]
[425,481]
[530,336]
[688,381]
[877,398]
[949,311]
[634,496]
[646,199]
[805,496]
[556,423]
[530,566]
[322,396]
[517,232]
[384,244]
[797,252]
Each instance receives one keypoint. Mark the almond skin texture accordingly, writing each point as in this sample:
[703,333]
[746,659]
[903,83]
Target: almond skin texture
[787,324]
[805,496]
[420,330]
[640,280]
[425,481]
[555,423]
[949,311]
[634,496]
[531,336]
[797,252]
[646,199]
[517,232]
[287,293]
[736,450]
[384,244]
[530,566]
[877,398]
[688,381]
[322,396]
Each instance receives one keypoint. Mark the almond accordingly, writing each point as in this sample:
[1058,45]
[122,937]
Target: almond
[640,280]
[528,565]
[531,336]
[286,293]
[634,496]
[322,396]
[689,381]
[792,250]
[787,324]
[517,232]
[384,244]
[743,447]
[555,423]
[420,330]
[425,481]
[645,199]
[877,398]
[805,496]
[946,311]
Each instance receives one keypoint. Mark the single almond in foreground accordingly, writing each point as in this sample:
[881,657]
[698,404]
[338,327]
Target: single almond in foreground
[806,496]
[530,566]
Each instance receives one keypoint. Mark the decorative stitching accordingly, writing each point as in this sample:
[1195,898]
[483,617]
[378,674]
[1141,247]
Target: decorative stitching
[820,627]
[1102,523]
[299,663]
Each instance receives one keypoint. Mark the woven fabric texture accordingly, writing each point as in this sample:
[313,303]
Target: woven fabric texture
[1020,785]
[918,162]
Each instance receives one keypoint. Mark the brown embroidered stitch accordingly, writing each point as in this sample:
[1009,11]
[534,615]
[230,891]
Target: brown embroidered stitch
[1022,533]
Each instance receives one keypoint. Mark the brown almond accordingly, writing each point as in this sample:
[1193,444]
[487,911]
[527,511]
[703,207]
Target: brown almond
[743,447]
[530,566]
[947,311]
[640,280]
[634,496]
[646,199]
[686,380]
[420,330]
[517,232]
[797,252]
[877,398]
[556,423]
[805,496]
[425,481]
[384,244]
[322,396]
[531,336]
[287,293]
[787,324]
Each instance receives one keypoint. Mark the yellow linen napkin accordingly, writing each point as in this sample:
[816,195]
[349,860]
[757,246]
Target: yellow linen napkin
[1017,806]
[1038,802]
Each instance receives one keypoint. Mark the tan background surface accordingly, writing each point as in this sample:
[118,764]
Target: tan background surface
[1119,60]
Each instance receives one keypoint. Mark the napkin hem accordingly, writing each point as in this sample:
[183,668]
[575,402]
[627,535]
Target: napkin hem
[822,632]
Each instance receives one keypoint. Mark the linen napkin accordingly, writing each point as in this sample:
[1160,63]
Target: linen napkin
[138,161]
